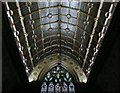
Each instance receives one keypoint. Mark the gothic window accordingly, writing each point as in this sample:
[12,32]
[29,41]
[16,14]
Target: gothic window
[58,80]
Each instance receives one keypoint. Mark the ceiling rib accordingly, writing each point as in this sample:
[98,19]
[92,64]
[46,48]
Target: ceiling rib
[72,28]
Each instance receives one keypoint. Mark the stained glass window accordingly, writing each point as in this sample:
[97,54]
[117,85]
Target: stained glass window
[58,80]
[44,88]
[51,88]
[57,88]
[71,88]
[64,88]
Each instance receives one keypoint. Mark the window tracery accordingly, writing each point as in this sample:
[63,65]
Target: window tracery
[58,80]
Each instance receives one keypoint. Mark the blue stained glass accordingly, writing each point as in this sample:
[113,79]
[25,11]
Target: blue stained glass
[58,68]
[71,88]
[64,88]
[51,88]
[44,88]
[57,88]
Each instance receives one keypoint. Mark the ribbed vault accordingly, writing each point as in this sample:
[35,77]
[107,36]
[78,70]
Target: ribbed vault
[75,29]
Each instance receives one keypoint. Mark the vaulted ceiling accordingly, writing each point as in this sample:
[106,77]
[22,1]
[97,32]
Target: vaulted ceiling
[75,29]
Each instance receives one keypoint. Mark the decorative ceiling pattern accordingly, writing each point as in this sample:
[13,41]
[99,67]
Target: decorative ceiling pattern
[75,29]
